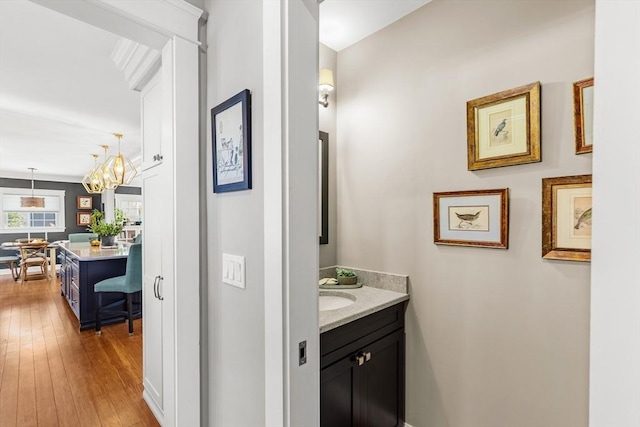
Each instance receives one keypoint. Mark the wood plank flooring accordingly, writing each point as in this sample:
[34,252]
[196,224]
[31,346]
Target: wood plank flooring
[51,374]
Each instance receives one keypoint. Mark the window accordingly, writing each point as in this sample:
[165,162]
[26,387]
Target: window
[131,205]
[16,219]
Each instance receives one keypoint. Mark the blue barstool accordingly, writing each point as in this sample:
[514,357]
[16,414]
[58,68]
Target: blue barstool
[128,285]
[82,237]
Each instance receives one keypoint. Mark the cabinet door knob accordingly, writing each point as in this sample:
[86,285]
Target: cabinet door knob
[359,359]
[367,356]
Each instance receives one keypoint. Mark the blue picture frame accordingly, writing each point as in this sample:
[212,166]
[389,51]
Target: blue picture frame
[231,143]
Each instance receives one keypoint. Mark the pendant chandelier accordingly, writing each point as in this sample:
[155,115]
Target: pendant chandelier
[107,182]
[92,181]
[32,202]
[119,169]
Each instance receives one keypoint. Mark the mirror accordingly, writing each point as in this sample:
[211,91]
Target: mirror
[323,182]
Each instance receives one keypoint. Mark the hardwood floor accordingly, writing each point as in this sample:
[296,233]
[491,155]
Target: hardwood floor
[51,374]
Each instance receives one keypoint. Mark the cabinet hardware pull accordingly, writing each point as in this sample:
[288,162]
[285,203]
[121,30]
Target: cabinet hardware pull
[359,359]
[155,286]
[160,297]
[367,356]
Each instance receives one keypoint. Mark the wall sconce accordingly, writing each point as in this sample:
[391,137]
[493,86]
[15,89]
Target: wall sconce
[325,84]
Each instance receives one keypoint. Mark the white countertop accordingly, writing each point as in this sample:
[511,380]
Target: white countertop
[85,252]
[368,300]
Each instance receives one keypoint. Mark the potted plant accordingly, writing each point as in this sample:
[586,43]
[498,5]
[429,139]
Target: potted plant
[346,277]
[107,230]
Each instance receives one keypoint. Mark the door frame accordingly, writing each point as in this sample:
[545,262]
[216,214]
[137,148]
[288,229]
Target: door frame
[169,26]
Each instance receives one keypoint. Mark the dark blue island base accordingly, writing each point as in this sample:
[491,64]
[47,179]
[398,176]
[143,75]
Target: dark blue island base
[81,267]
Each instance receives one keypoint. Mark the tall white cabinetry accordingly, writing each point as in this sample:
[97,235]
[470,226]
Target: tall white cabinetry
[158,340]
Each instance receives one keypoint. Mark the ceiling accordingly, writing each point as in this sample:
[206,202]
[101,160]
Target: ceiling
[61,95]
[345,22]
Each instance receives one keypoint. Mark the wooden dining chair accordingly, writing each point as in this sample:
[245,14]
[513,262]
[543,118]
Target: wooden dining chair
[33,255]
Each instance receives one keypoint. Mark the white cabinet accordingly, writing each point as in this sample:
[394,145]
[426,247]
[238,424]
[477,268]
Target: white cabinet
[158,291]
[153,299]
[151,105]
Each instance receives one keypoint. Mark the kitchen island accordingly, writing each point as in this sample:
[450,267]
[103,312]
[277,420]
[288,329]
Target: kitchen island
[81,267]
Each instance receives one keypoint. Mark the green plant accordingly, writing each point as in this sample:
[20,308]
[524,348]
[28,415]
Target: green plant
[103,228]
[343,272]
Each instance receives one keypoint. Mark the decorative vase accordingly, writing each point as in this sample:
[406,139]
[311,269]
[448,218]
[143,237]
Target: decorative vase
[347,280]
[108,241]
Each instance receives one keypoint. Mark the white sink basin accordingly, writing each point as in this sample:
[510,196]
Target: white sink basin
[335,300]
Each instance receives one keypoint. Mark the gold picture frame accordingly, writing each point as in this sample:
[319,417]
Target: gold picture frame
[566,218]
[583,115]
[503,129]
[472,218]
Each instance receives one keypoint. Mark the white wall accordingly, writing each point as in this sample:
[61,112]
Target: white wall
[235,226]
[494,337]
[269,47]
[327,123]
[614,398]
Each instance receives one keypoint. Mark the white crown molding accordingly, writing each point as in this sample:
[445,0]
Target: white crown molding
[186,7]
[139,62]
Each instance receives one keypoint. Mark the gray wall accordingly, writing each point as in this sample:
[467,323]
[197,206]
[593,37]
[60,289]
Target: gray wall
[327,123]
[72,191]
[494,337]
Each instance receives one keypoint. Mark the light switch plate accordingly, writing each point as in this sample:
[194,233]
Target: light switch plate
[233,271]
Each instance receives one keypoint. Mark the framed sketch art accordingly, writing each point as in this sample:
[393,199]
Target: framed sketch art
[472,218]
[503,129]
[83,218]
[566,218]
[84,202]
[583,115]
[231,138]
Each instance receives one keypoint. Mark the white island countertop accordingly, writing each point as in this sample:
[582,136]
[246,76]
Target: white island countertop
[85,252]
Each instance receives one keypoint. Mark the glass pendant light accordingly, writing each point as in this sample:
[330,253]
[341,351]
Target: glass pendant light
[120,169]
[107,182]
[92,181]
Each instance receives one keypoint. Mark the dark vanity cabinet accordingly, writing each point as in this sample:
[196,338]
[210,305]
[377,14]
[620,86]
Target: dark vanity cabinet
[362,376]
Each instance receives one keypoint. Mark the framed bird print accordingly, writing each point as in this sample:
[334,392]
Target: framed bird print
[472,218]
[583,115]
[566,218]
[503,129]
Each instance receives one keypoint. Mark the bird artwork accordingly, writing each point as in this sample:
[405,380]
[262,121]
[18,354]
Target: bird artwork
[468,218]
[500,127]
[583,219]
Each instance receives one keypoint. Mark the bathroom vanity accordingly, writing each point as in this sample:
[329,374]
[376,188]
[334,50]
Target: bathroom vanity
[362,359]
